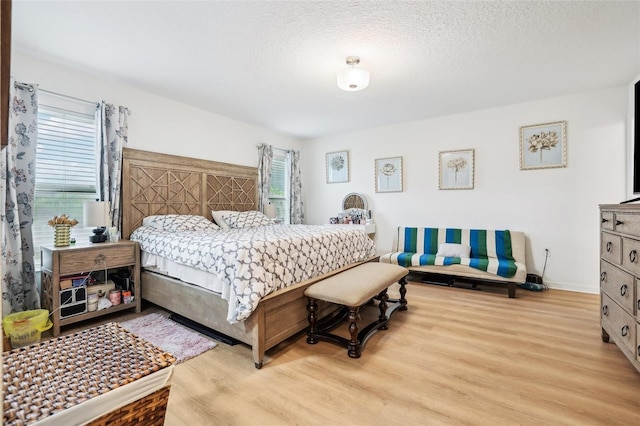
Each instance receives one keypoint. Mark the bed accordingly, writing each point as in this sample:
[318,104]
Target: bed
[161,184]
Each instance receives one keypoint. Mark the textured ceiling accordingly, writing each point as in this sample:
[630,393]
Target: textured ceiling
[274,64]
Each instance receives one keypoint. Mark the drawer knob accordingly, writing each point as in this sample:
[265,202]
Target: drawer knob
[633,256]
[625,330]
[603,276]
[101,258]
[605,220]
[608,246]
[605,310]
[623,290]
[619,222]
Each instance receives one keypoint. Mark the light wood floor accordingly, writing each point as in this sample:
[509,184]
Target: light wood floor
[455,357]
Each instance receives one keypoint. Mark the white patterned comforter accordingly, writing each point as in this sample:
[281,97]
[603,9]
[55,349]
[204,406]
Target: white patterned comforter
[255,262]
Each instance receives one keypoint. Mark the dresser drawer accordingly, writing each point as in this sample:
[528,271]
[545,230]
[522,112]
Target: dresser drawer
[606,221]
[618,285]
[628,223]
[109,256]
[631,255]
[610,247]
[619,324]
[638,342]
[636,309]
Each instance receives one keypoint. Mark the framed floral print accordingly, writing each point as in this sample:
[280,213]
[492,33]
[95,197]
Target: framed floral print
[389,174]
[455,169]
[543,146]
[337,167]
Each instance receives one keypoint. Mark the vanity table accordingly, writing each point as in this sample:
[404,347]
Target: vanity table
[354,205]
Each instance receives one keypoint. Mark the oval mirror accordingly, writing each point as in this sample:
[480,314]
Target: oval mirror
[354,201]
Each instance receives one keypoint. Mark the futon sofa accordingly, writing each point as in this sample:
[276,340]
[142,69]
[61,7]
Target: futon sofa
[474,255]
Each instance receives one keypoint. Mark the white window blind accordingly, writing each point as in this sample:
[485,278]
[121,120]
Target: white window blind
[279,189]
[65,166]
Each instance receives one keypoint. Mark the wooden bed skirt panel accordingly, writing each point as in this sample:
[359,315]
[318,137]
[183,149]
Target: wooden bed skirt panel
[196,303]
[155,183]
[277,318]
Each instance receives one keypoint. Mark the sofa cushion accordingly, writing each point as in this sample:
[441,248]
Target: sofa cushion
[491,250]
[484,243]
[453,250]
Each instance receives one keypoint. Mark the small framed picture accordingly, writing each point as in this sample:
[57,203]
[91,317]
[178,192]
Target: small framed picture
[543,146]
[389,174]
[337,167]
[456,169]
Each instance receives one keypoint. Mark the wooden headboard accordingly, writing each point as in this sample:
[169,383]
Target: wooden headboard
[154,183]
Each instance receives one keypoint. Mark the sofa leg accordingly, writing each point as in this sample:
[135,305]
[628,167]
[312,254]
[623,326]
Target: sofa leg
[512,290]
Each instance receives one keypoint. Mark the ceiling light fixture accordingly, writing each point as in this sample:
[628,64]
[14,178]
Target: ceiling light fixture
[353,79]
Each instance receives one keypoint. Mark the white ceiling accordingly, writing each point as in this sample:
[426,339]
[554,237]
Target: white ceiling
[274,63]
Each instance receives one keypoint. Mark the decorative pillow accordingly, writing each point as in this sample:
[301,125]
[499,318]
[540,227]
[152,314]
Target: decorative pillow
[217,218]
[180,222]
[453,250]
[250,219]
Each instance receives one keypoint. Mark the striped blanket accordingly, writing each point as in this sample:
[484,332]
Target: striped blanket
[490,249]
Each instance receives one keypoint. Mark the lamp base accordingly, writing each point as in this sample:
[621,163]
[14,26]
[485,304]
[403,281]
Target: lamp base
[99,236]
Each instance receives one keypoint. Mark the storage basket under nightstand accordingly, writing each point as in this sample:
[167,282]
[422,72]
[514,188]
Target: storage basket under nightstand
[102,375]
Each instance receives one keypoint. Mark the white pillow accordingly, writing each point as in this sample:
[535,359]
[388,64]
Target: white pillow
[179,222]
[250,219]
[217,217]
[453,250]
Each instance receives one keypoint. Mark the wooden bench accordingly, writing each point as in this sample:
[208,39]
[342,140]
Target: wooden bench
[352,289]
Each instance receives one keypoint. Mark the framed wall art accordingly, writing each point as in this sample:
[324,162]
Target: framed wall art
[337,167]
[543,146]
[389,174]
[455,169]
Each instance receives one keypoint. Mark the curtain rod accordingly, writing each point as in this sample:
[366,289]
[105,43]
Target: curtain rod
[276,149]
[60,95]
[23,86]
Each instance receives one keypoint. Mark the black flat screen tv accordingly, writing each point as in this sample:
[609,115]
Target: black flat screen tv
[633,137]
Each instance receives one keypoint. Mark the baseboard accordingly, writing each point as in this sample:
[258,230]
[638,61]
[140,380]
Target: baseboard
[571,287]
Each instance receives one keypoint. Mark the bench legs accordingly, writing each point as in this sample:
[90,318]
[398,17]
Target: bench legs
[357,337]
[353,347]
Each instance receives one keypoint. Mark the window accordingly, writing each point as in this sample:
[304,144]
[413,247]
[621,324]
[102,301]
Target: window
[65,165]
[279,188]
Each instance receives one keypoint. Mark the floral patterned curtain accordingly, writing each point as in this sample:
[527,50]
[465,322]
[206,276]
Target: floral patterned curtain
[17,164]
[265,158]
[296,206]
[114,128]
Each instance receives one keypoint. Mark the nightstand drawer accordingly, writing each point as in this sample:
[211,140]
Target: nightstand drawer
[75,261]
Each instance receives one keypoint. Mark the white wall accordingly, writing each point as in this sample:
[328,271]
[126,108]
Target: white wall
[556,208]
[156,123]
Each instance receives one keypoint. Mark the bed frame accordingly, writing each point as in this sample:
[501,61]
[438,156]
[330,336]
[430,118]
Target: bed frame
[156,183]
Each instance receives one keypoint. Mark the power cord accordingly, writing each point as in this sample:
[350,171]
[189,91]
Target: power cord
[546,256]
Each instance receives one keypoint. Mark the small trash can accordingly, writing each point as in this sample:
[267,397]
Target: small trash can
[24,328]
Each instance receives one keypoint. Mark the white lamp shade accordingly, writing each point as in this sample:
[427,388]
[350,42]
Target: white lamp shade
[270,211]
[353,79]
[96,213]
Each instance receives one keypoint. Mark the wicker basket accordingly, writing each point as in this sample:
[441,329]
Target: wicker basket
[46,378]
[148,411]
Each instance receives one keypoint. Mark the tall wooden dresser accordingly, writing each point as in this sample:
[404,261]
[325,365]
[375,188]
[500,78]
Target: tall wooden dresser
[620,277]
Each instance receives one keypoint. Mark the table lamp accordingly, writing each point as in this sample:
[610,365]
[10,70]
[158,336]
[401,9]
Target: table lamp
[96,213]
[270,211]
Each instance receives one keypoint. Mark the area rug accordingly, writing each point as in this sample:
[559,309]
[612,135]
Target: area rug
[169,336]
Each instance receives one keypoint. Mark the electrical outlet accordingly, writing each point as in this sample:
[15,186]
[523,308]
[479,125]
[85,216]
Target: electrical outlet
[547,253]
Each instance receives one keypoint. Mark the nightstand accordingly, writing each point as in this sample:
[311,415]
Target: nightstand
[79,260]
